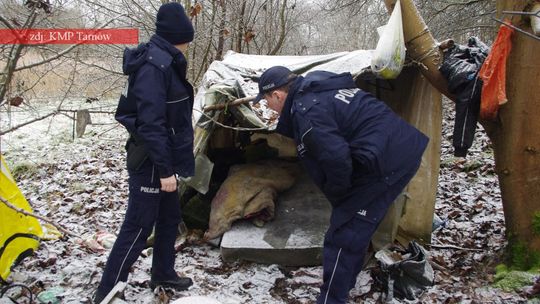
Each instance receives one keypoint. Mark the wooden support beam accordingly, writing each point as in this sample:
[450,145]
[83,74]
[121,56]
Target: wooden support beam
[233,103]
[421,46]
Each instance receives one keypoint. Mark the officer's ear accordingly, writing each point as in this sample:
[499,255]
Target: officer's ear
[274,94]
[270,95]
[281,95]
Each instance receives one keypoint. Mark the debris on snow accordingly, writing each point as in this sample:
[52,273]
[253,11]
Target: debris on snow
[82,184]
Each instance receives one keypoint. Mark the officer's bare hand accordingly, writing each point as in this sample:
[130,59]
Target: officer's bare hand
[168,184]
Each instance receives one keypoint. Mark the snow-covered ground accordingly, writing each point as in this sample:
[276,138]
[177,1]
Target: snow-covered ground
[82,184]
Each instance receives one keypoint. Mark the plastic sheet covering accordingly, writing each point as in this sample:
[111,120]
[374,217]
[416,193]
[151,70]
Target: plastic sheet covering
[19,234]
[411,96]
[203,173]
[243,71]
[219,93]
[236,77]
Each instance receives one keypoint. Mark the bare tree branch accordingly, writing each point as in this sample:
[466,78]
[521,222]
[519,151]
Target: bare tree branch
[233,103]
[464,3]
[13,58]
[27,123]
[47,220]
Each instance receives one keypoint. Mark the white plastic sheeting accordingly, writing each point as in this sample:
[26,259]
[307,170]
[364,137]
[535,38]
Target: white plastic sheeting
[245,69]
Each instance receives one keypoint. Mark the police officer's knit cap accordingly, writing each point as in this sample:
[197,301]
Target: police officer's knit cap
[273,78]
[173,25]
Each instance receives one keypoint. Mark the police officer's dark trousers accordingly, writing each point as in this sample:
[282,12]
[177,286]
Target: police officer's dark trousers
[345,246]
[147,205]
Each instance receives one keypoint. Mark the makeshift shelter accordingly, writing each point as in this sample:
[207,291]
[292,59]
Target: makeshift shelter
[19,233]
[410,95]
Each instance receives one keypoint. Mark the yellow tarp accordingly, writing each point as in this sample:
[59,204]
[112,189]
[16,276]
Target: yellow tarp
[19,233]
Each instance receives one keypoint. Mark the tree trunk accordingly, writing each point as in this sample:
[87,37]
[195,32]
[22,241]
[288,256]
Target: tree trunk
[204,65]
[14,56]
[240,31]
[282,26]
[222,30]
[516,139]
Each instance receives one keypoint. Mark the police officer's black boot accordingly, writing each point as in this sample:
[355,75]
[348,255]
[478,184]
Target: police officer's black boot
[98,297]
[178,283]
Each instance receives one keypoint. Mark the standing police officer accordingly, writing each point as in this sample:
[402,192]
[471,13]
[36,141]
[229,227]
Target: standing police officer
[357,151]
[156,111]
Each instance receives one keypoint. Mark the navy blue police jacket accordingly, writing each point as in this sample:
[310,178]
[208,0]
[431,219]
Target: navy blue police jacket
[157,104]
[353,145]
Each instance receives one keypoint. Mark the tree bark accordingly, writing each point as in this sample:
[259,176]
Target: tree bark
[222,30]
[240,31]
[516,139]
[204,65]
[282,26]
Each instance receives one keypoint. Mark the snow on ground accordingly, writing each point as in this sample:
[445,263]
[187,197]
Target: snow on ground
[82,184]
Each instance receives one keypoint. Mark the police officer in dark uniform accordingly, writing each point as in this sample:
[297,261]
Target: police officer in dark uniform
[156,110]
[357,151]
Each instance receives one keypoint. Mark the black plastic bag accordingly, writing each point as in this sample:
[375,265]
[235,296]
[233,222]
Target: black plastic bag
[460,68]
[462,63]
[406,278]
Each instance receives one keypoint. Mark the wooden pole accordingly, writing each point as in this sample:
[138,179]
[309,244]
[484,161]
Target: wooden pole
[234,103]
[420,44]
[423,109]
[516,139]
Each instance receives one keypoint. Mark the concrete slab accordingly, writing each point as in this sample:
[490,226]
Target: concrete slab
[294,238]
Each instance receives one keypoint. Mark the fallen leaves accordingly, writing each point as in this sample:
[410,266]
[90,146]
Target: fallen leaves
[82,184]
[16,101]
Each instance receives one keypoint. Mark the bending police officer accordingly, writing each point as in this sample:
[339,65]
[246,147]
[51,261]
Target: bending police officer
[356,150]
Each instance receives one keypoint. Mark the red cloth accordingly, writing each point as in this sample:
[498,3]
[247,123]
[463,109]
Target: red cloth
[493,74]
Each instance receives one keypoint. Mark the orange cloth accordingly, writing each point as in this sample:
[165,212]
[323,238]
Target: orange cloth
[493,74]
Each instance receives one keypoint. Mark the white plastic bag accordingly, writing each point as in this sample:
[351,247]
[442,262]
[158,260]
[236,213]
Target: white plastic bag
[535,19]
[389,55]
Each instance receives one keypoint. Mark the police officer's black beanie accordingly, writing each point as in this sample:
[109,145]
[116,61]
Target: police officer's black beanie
[173,25]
